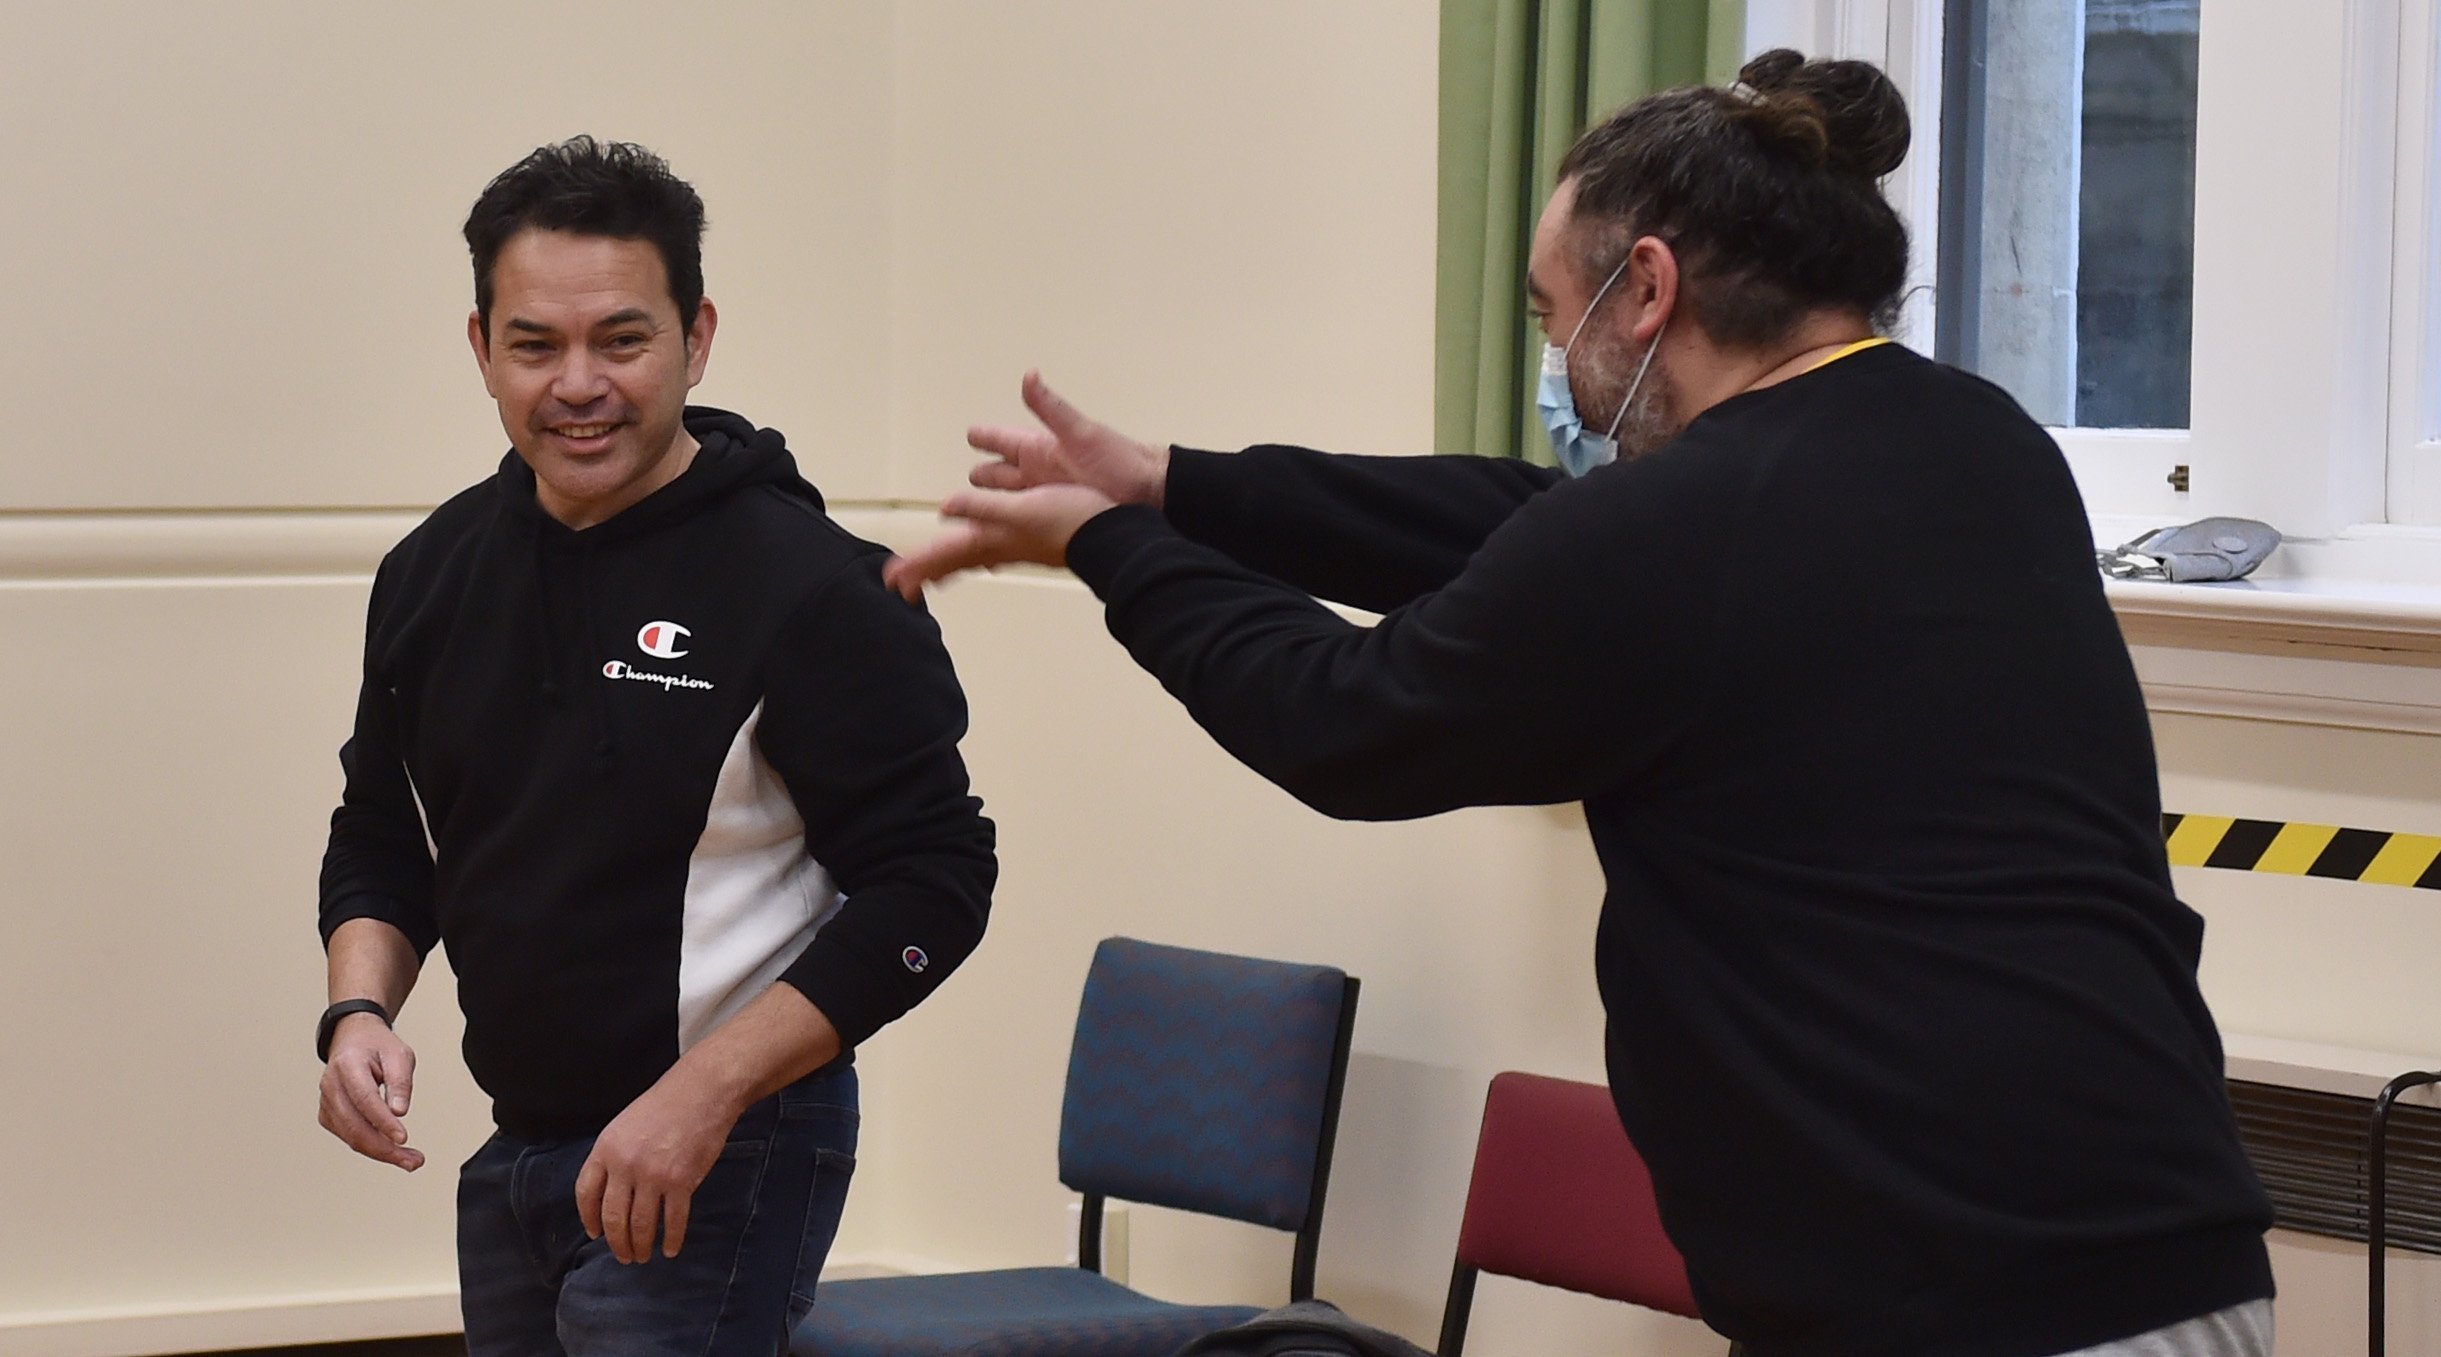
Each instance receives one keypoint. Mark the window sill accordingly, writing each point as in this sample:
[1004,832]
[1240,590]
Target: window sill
[2343,633]
[2373,589]
[2383,621]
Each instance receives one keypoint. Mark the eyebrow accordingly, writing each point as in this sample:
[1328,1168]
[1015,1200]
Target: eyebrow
[1534,289]
[626,316]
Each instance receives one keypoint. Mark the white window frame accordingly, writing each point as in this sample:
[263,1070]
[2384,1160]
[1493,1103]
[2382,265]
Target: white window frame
[2415,409]
[2317,279]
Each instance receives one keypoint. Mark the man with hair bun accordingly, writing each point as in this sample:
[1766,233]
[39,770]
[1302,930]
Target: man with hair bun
[1901,1008]
[646,743]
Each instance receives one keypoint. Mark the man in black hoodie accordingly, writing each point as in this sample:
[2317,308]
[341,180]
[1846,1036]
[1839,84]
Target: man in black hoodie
[1902,1010]
[645,741]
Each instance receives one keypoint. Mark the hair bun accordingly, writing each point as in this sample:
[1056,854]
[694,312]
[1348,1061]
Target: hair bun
[1845,113]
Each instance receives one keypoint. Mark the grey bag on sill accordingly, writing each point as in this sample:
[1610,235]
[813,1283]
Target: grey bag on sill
[1308,1328]
[2207,549]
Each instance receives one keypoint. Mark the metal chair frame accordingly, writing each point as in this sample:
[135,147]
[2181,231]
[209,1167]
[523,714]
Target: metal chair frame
[2377,1224]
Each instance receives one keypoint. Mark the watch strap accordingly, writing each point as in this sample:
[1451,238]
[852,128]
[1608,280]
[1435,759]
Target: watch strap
[330,1022]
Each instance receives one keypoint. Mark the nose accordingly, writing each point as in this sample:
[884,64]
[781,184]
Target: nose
[579,379]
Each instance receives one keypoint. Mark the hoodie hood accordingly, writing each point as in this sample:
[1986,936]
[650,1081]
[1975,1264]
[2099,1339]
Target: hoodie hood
[734,455]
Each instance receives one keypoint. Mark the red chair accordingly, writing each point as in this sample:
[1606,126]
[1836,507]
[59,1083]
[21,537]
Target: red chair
[1560,1196]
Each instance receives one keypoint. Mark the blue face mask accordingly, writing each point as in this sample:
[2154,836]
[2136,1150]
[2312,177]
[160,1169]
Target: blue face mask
[1578,450]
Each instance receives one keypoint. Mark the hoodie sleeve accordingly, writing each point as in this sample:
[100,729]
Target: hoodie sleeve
[1372,532]
[1561,661]
[378,864]
[862,717]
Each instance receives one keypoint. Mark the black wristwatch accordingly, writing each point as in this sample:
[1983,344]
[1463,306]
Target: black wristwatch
[330,1022]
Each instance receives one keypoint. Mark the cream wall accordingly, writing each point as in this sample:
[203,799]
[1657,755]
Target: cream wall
[1211,223]
[232,230]
[1206,223]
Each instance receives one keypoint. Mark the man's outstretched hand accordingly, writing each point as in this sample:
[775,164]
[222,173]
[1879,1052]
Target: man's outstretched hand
[1039,487]
[1068,449]
[992,528]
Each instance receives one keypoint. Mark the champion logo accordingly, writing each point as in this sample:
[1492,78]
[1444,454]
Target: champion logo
[660,640]
[915,959]
[621,669]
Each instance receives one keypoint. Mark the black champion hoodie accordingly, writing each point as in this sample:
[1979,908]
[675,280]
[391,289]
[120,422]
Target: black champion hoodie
[634,774]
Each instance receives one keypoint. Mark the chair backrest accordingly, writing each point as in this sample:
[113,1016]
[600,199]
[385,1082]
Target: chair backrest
[1206,1082]
[1561,1197]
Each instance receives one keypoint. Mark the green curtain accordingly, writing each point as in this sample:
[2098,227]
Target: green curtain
[1519,80]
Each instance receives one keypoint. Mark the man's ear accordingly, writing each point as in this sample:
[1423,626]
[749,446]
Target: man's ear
[1653,278]
[699,340]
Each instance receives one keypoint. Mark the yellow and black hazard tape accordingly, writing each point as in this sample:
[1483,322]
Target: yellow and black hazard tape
[2373,855]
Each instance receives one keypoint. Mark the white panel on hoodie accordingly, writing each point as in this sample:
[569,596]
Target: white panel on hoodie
[754,897]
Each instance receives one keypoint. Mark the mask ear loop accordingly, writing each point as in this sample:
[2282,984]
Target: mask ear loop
[1598,295]
[1638,384]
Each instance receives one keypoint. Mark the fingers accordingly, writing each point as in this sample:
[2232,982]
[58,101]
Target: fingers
[590,1180]
[1061,418]
[398,1080]
[986,507]
[1012,444]
[606,1206]
[618,1209]
[343,1115]
[360,1080]
[959,547]
[643,1221]
[998,476]
[907,580]
[674,1208]
[625,1212]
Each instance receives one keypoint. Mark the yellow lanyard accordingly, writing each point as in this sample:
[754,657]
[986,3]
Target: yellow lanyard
[1858,347]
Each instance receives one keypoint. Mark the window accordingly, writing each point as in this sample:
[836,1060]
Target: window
[2067,163]
[2201,239]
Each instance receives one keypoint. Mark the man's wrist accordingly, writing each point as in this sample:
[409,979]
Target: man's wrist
[1157,488]
[340,1012]
[707,1082]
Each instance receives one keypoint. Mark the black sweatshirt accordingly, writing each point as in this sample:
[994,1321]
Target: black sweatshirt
[1901,1008]
[663,762]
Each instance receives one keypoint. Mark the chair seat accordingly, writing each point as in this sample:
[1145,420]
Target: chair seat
[1016,1312]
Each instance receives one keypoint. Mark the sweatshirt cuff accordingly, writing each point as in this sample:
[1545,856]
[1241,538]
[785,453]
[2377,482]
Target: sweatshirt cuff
[1201,490]
[1102,547]
[363,905]
[833,978]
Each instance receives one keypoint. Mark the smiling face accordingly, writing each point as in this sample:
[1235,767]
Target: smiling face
[590,364]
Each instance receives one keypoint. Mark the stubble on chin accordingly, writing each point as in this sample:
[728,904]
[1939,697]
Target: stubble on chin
[1652,419]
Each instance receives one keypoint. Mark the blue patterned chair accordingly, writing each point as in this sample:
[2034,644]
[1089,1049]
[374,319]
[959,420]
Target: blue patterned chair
[1197,1080]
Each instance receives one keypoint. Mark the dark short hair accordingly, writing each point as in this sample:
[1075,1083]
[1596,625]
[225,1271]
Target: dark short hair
[1768,192]
[594,188]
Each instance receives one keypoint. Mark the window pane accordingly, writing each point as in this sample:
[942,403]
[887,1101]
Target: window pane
[2068,205]
[2425,140]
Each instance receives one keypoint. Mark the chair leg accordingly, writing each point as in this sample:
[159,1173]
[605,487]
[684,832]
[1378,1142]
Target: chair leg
[2377,1319]
[1089,1234]
[1455,1314]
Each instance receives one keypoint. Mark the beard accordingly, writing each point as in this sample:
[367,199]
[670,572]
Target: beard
[1652,418]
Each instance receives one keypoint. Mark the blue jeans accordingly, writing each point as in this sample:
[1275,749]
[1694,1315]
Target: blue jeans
[532,1285]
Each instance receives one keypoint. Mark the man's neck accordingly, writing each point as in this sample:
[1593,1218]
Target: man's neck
[1717,374]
